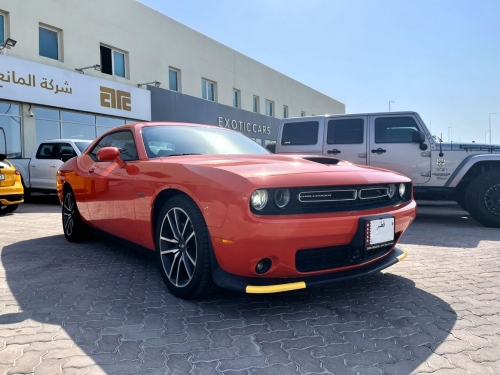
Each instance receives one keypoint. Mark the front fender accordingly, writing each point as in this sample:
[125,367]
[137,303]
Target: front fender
[467,164]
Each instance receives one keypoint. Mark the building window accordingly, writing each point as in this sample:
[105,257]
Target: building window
[112,62]
[208,90]
[302,114]
[269,108]
[173,79]
[256,104]
[48,42]
[2,28]
[236,98]
[285,111]
[10,129]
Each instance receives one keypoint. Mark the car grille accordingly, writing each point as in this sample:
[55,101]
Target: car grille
[321,199]
[324,258]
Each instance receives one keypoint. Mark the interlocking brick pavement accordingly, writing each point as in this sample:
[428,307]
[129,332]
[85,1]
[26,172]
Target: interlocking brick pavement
[99,308]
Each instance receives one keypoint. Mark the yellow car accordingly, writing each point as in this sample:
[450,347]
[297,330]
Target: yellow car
[11,187]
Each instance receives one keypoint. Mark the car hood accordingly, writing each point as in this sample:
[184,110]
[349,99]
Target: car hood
[258,166]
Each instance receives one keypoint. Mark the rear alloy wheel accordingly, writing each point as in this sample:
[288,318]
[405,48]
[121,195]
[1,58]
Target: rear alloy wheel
[183,250]
[483,199]
[74,228]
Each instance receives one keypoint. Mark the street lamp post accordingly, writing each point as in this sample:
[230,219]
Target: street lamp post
[493,113]
[390,101]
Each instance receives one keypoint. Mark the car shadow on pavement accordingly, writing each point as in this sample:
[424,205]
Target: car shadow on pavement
[447,226]
[101,308]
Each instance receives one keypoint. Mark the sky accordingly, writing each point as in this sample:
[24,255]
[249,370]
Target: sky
[440,58]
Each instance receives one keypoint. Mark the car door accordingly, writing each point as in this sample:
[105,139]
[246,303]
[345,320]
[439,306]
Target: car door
[109,188]
[391,147]
[346,138]
[43,169]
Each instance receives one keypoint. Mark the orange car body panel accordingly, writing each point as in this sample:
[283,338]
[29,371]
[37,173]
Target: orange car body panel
[120,200]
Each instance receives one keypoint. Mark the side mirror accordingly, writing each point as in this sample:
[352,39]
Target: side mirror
[419,137]
[110,154]
[66,157]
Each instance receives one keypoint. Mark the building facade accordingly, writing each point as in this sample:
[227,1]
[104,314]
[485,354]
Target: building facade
[79,68]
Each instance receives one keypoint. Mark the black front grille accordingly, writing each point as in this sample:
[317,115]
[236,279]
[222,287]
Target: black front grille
[324,258]
[373,193]
[341,198]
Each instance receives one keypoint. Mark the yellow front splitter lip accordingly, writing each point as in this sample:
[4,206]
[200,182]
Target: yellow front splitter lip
[275,288]
[402,256]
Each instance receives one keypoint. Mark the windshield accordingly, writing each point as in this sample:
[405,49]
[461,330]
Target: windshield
[82,145]
[190,140]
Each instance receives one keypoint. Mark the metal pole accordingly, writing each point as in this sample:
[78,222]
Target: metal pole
[493,113]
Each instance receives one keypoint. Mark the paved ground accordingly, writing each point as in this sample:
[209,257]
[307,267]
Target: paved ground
[97,308]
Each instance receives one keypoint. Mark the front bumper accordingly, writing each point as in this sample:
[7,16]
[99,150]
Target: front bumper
[260,285]
[245,239]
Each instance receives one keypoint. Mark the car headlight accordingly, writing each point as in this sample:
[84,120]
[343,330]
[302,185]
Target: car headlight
[401,190]
[391,191]
[259,199]
[282,197]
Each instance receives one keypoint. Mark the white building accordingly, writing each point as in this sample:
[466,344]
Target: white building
[43,95]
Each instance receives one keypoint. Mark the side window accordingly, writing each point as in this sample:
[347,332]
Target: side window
[348,131]
[394,129]
[300,133]
[45,151]
[63,148]
[123,140]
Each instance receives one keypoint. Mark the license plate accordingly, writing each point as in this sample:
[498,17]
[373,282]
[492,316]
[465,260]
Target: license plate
[379,232]
[2,177]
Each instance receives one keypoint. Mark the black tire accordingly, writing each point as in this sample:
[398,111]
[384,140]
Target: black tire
[483,199]
[11,208]
[75,230]
[3,209]
[461,202]
[271,147]
[27,191]
[183,249]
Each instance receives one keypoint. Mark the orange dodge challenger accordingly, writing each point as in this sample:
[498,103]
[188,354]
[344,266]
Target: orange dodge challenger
[220,210]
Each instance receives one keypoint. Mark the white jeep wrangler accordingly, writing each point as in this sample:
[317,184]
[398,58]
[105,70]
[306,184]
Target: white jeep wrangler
[466,173]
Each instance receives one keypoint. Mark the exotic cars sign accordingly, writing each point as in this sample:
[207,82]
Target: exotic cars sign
[243,126]
[29,82]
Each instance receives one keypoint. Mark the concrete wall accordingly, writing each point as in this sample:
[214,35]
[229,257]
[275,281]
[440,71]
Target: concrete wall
[153,42]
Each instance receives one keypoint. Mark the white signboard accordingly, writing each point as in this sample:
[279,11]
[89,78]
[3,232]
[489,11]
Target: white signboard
[29,82]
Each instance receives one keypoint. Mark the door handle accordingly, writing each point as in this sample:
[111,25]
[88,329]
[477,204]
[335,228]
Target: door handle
[378,151]
[91,170]
[334,151]
[33,165]
[52,165]
[362,155]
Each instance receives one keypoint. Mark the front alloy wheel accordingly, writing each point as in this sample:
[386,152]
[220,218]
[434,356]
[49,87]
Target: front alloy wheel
[178,247]
[183,249]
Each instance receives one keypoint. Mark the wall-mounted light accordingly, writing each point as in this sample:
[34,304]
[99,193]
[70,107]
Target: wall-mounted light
[156,83]
[8,43]
[96,67]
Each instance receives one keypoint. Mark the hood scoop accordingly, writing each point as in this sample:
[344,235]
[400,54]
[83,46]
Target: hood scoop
[322,160]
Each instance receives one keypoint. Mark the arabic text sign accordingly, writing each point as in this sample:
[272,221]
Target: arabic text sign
[29,82]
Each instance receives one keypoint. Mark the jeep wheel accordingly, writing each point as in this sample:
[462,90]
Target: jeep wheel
[483,199]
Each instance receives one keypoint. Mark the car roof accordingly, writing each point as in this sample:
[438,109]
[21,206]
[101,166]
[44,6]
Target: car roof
[67,140]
